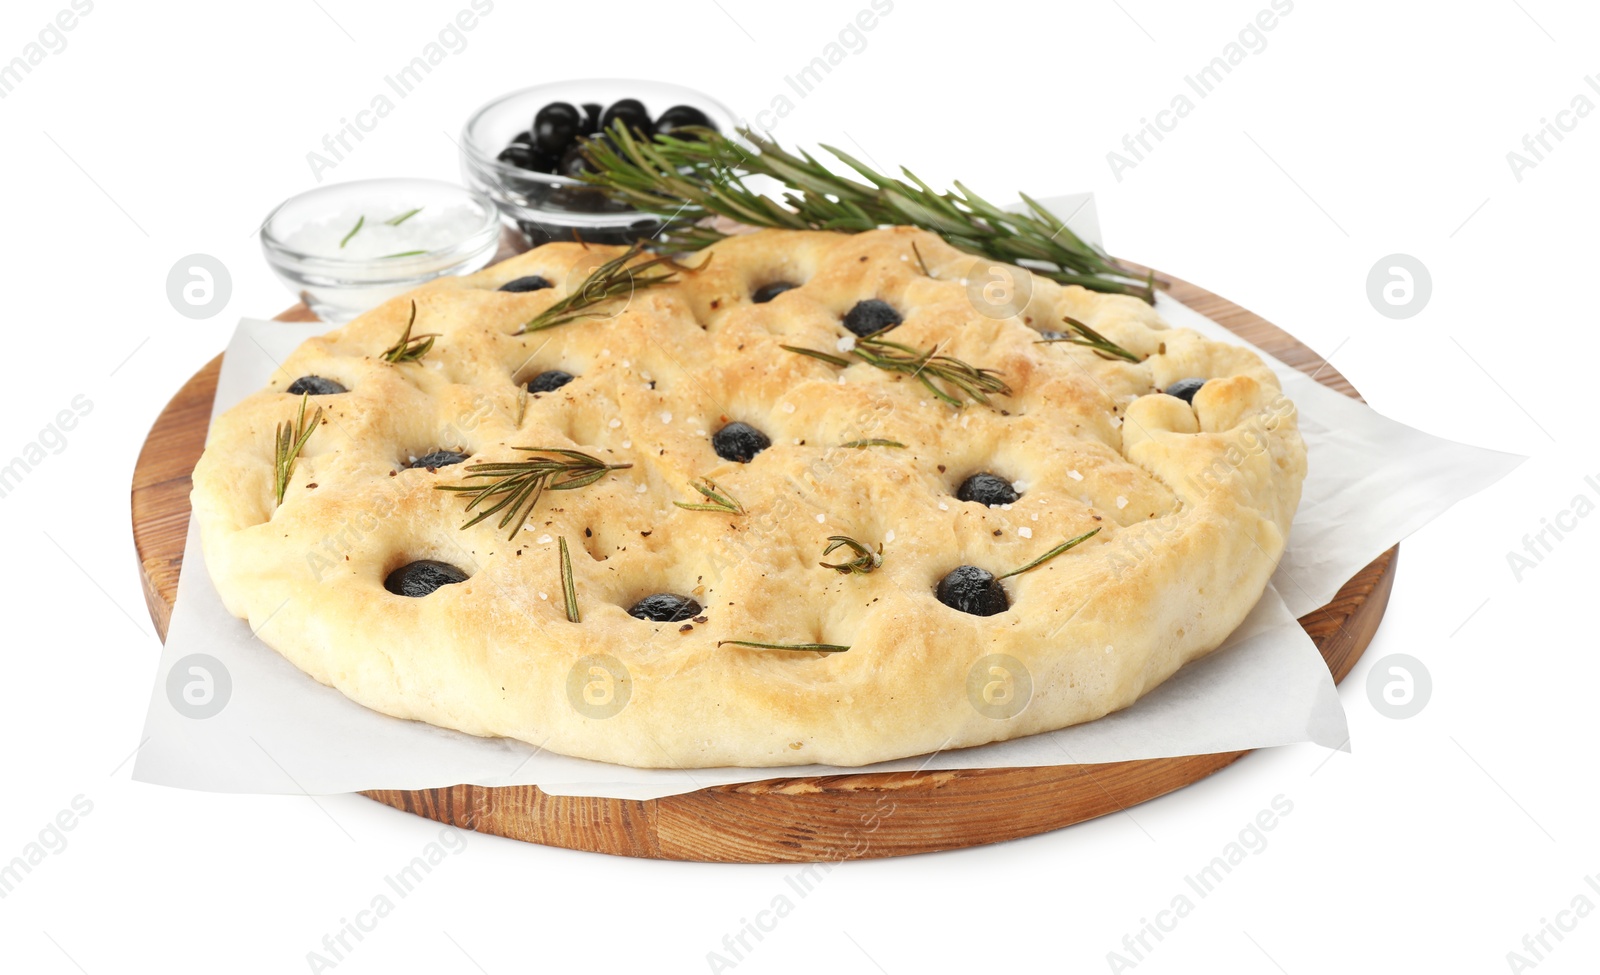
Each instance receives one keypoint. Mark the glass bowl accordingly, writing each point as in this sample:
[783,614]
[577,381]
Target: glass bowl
[410,232]
[545,206]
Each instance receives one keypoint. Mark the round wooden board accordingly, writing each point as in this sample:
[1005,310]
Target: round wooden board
[829,818]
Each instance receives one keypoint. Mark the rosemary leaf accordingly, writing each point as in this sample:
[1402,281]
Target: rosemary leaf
[362,222]
[1051,554]
[813,353]
[402,218]
[819,647]
[923,264]
[569,590]
[401,254]
[863,444]
[288,441]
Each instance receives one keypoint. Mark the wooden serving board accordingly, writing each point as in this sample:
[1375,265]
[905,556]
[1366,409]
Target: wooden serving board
[830,818]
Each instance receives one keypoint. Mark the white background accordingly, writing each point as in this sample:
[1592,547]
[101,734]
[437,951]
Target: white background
[1360,130]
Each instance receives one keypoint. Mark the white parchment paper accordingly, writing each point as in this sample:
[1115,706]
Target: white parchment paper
[1371,482]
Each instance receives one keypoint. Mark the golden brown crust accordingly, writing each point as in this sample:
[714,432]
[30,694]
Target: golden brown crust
[1194,504]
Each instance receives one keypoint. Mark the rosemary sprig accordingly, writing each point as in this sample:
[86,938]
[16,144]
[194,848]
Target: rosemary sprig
[819,647]
[288,441]
[1087,336]
[569,589]
[964,380]
[519,484]
[362,222]
[717,499]
[613,279]
[401,254]
[705,174]
[402,218]
[410,348]
[866,559]
[874,442]
[1051,554]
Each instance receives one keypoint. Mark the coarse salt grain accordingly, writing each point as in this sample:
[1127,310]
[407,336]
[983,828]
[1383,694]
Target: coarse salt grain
[1075,475]
[943,506]
[627,444]
[544,539]
[642,488]
[821,519]
[1122,502]
[544,595]
[889,535]
[666,417]
[788,407]
[614,423]
[846,343]
[1025,532]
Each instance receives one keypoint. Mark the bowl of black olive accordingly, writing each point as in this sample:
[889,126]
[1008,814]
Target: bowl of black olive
[524,150]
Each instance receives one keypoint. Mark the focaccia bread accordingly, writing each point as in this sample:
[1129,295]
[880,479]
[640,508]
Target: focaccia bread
[1192,502]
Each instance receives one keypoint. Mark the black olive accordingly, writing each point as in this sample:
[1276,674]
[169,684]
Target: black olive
[973,590]
[986,488]
[316,386]
[767,292]
[739,442]
[523,138]
[630,112]
[1185,389]
[556,126]
[591,117]
[871,316]
[520,156]
[664,607]
[437,459]
[548,380]
[419,578]
[532,282]
[681,116]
